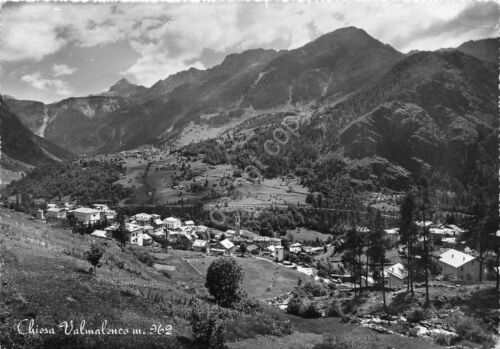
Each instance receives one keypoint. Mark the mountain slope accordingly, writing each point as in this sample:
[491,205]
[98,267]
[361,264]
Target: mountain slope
[19,143]
[486,49]
[331,66]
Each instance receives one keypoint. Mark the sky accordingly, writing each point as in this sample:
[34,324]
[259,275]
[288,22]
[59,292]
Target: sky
[51,51]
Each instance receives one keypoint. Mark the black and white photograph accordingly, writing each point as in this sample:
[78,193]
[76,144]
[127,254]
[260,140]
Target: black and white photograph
[249,175]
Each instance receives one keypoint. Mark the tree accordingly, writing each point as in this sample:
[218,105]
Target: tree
[243,247]
[376,250]
[223,280]
[121,234]
[408,234]
[94,255]
[424,188]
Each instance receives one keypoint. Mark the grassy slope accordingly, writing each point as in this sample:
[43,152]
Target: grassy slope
[46,278]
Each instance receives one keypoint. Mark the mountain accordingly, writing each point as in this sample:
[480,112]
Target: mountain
[126,89]
[433,111]
[71,122]
[332,66]
[486,49]
[20,144]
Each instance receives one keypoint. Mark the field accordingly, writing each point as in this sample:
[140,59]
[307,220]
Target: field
[155,184]
[307,235]
[263,279]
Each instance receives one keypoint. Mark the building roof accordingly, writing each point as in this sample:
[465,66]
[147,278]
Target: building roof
[296,244]
[146,237]
[449,240]
[171,219]
[227,244]
[392,231]
[427,223]
[158,221]
[55,209]
[252,247]
[86,210]
[142,217]
[99,233]
[189,223]
[455,258]
[199,243]
[398,270]
[132,227]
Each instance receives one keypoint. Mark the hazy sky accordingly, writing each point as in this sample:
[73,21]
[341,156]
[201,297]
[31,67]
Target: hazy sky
[51,51]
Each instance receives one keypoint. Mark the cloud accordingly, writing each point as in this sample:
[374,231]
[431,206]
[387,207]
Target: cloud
[62,69]
[176,36]
[36,80]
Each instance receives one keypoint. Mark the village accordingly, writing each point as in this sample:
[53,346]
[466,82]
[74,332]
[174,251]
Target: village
[457,263]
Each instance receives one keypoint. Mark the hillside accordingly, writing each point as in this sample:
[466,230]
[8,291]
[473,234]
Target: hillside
[45,278]
[19,143]
[486,49]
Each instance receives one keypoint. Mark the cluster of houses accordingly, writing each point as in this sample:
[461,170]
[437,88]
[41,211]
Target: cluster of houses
[84,215]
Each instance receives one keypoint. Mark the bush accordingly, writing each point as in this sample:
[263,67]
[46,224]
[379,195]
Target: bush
[207,326]
[333,310]
[93,255]
[295,306]
[223,280]
[311,311]
[416,315]
[315,289]
[145,258]
[469,328]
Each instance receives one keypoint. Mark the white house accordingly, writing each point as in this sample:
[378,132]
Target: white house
[392,235]
[56,213]
[172,223]
[396,275]
[224,247]
[200,245]
[459,265]
[87,215]
[105,234]
[142,219]
[295,247]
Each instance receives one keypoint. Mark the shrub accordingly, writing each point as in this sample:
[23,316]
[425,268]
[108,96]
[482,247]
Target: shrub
[415,315]
[223,280]
[93,255]
[315,289]
[146,258]
[295,306]
[207,326]
[333,310]
[469,328]
[311,311]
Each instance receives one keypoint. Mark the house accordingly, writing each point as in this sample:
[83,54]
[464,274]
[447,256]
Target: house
[201,246]
[142,219]
[252,247]
[396,276]
[87,215]
[159,233]
[224,247]
[392,235]
[189,223]
[106,213]
[279,253]
[137,236]
[158,223]
[295,247]
[40,214]
[104,234]
[458,265]
[172,223]
[56,213]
